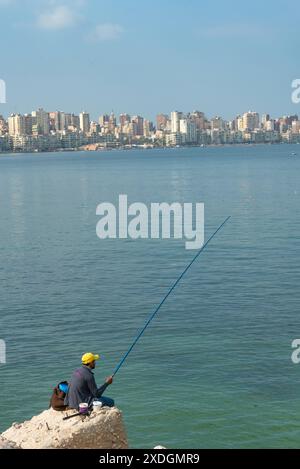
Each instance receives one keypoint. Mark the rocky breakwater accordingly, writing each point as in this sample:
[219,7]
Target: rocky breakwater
[5,444]
[103,429]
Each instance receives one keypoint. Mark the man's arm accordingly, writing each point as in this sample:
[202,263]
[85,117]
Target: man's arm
[101,390]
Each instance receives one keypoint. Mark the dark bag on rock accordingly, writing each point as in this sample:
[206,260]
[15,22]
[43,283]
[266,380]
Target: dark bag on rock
[57,401]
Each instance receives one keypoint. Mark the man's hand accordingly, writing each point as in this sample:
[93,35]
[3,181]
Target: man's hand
[109,380]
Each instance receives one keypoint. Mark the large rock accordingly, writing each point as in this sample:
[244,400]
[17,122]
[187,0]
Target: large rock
[5,444]
[103,429]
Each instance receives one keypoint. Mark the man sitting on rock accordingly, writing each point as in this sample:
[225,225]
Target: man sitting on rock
[83,387]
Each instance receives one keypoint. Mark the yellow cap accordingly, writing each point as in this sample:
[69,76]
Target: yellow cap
[89,358]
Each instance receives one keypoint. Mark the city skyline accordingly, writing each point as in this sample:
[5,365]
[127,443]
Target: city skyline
[143,57]
[42,130]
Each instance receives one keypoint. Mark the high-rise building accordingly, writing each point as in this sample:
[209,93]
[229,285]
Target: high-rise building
[162,121]
[296,127]
[175,121]
[28,124]
[250,121]
[148,128]
[239,124]
[104,120]
[124,119]
[59,120]
[139,122]
[290,119]
[232,125]
[73,121]
[3,126]
[188,130]
[85,121]
[130,129]
[20,125]
[112,123]
[40,122]
[94,128]
[199,119]
[217,123]
[264,119]
[16,125]
[174,139]
[269,125]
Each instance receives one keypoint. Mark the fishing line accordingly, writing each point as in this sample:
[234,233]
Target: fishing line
[152,316]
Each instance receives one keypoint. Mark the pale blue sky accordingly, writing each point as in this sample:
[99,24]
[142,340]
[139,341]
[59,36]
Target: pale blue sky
[145,57]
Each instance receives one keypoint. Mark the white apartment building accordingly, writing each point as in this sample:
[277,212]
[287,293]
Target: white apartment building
[250,121]
[173,139]
[269,125]
[16,125]
[296,127]
[85,122]
[175,121]
[188,129]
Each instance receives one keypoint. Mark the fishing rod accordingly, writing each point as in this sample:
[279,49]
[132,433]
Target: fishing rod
[152,316]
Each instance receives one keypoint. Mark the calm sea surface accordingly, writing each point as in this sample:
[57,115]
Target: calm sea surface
[214,369]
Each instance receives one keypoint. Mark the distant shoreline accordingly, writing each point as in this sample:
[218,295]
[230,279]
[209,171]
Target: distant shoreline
[136,147]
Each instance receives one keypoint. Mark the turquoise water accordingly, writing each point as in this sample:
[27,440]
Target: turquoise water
[215,368]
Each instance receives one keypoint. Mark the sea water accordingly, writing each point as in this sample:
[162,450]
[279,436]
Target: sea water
[214,369]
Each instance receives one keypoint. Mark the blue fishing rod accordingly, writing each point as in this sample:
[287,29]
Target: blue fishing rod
[152,316]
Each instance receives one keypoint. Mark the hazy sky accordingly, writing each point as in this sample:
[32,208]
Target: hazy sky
[144,57]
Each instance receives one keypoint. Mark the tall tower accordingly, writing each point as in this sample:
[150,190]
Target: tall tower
[175,121]
[85,122]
